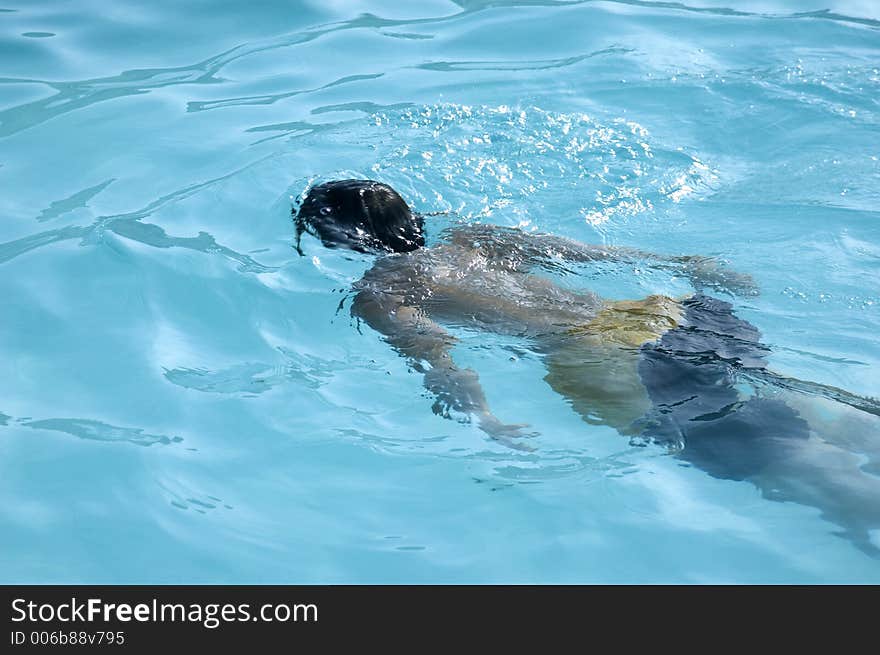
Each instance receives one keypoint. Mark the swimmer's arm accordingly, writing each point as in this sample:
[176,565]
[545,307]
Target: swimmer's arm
[422,341]
[531,248]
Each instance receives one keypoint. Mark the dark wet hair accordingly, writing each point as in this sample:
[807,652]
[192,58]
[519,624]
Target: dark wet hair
[361,215]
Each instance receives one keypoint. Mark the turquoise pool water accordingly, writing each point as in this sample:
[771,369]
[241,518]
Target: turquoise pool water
[181,400]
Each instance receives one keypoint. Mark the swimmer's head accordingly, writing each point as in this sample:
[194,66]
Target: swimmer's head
[361,215]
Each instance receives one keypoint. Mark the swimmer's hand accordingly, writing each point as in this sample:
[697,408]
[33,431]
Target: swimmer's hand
[505,433]
[706,272]
[458,391]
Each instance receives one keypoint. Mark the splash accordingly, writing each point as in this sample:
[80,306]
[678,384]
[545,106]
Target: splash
[510,164]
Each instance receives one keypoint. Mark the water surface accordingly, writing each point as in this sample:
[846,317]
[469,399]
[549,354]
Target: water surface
[181,400]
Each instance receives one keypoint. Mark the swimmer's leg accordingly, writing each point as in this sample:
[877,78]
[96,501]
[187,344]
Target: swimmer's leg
[770,444]
[815,389]
[736,431]
[840,425]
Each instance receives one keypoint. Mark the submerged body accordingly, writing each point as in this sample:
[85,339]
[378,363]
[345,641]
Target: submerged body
[685,373]
[462,285]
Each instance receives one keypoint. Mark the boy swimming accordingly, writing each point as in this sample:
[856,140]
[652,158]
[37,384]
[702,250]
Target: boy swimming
[658,369]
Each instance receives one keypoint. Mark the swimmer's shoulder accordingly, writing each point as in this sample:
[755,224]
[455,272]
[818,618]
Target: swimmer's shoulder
[396,274]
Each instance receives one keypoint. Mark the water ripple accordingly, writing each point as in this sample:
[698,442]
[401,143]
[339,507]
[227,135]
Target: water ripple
[524,65]
[76,201]
[76,95]
[99,431]
[194,106]
[408,36]
[723,12]
[248,378]
[130,226]
[363,107]
[292,129]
